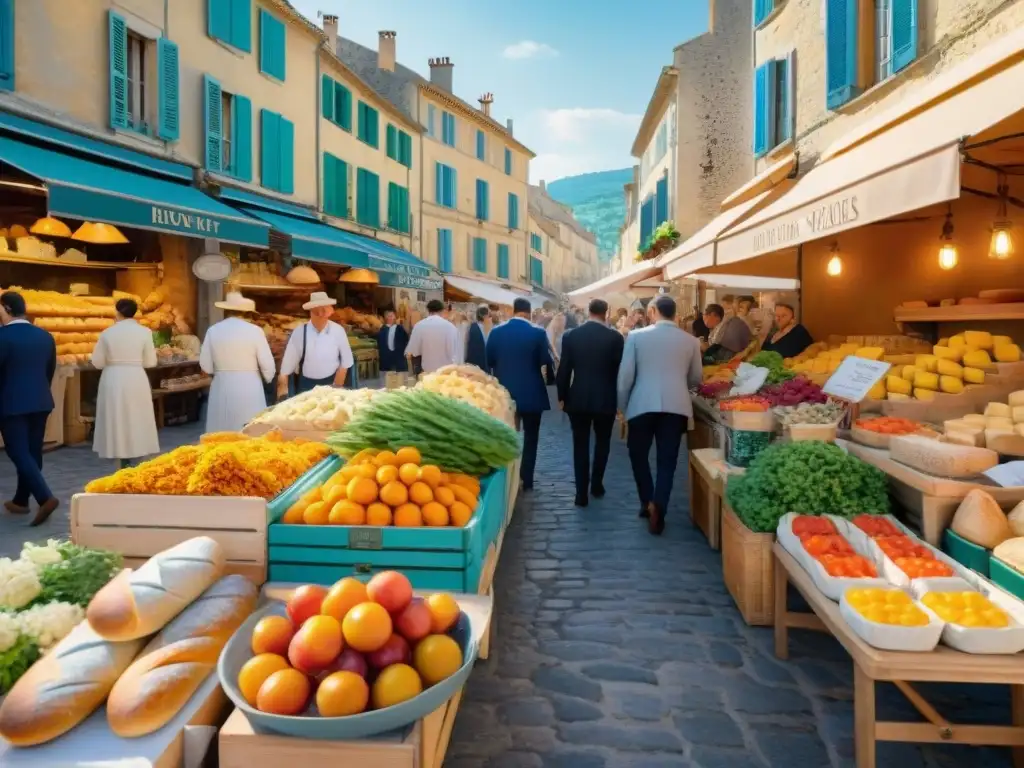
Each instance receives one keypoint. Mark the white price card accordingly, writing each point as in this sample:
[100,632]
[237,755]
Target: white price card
[854,378]
[1009,475]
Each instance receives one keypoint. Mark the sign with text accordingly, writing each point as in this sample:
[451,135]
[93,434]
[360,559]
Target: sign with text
[854,378]
[379,264]
[395,280]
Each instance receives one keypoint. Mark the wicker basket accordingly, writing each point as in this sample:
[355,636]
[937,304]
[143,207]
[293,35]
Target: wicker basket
[748,568]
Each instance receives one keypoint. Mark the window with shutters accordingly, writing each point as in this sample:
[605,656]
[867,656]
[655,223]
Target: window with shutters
[368,198]
[762,10]
[398,208]
[226,104]
[774,104]
[336,103]
[483,200]
[503,261]
[137,47]
[536,242]
[368,126]
[508,161]
[444,250]
[143,80]
[336,186]
[536,271]
[228,128]
[399,145]
[230,21]
[277,152]
[481,145]
[513,211]
[6,45]
[480,254]
[272,46]
[445,186]
[448,129]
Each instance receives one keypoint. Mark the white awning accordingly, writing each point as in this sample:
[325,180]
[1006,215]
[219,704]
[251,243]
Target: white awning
[912,165]
[748,282]
[481,290]
[618,282]
[770,177]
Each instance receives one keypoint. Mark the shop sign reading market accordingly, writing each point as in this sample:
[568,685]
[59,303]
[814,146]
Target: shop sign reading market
[834,215]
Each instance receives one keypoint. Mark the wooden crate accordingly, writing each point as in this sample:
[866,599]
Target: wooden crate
[706,496]
[141,526]
[748,569]
[423,746]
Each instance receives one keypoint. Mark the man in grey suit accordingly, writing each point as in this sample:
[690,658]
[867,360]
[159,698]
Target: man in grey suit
[659,365]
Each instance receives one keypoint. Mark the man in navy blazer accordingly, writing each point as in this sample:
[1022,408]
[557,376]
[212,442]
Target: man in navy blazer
[476,343]
[28,360]
[516,352]
[392,339]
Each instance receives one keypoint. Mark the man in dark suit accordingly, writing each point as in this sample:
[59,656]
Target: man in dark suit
[28,360]
[392,340]
[516,352]
[476,343]
[587,373]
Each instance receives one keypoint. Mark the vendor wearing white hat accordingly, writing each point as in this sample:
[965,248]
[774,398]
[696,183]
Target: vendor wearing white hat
[236,353]
[318,352]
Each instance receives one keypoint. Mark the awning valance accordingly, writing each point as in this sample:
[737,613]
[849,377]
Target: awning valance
[82,189]
[491,293]
[749,282]
[618,282]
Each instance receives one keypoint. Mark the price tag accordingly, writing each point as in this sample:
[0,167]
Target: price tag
[365,538]
[854,378]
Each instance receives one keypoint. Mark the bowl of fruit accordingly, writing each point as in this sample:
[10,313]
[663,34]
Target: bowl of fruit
[348,661]
[890,619]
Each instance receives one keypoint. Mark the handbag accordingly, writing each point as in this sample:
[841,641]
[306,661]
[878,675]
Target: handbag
[296,377]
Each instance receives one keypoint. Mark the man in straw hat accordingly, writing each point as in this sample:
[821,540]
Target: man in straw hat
[236,353]
[318,352]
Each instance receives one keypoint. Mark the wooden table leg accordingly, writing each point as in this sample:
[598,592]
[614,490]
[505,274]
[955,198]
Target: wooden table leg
[781,627]
[693,508]
[1017,707]
[864,718]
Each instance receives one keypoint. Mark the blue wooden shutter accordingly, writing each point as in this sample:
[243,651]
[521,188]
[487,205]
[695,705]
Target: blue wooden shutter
[508,161]
[241,25]
[762,9]
[118,70]
[241,137]
[762,106]
[212,123]
[272,45]
[330,183]
[787,102]
[479,254]
[444,250]
[7,62]
[439,183]
[343,106]
[481,145]
[270,149]
[840,51]
[661,207]
[453,188]
[286,141]
[405,149]
[904,33]
[167,112]
[392,142]
[327,97]
[513,211]
[482,202]
[503,260]
[218,19]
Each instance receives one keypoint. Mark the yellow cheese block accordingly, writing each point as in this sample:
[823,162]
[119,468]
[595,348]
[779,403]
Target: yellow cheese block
[897,385]
[927,363]
[974,376]
[924,394]
[972,439]
[962,425]
[1000,340]
[957,342]
[955,354]
[951,385]
[1016,398]
[819,366]
[949,368]
[877,392]
[833,365]
[1017,414]
[1002,410]
[943,343]
[925,380]
[998,422]
[1007,353]
[976,419]
[979,339]
[978,359]
[870,353]
[847,349]
[909,371]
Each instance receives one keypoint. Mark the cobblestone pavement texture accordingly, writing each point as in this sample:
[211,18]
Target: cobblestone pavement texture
[615,649]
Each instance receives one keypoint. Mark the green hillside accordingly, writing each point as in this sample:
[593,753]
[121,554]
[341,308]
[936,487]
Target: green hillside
[597,203]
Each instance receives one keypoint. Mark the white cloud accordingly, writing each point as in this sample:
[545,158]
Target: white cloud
[529,49]
[579,140]
[581,124]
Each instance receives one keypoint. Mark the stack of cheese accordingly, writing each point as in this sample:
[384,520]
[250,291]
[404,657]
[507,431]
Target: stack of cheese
[1001,424]
[828,360]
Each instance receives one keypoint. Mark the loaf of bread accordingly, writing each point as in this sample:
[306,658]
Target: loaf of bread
[64,687]
[139,603]
[177,661]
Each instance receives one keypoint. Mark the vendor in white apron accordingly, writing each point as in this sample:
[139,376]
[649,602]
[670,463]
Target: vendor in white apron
[318,352]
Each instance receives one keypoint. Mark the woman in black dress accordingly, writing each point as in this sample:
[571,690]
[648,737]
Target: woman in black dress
[790,338]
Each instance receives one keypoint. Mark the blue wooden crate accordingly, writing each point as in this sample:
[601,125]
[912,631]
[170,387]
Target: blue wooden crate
[445,559]
[966,552]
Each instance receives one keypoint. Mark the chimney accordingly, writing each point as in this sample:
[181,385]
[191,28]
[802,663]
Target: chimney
[508,126]
[441,73]
[331,30]
[485,103]
[386,50]
[543,186]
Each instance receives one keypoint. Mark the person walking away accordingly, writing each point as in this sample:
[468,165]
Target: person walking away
[462,325]
[556,332]
[236,353]
[587,375]
[516,353]
[28,360]
[729,335]
[476,341]
[434,341]
[660,363]
[125,422]
[392,339]
[318,352]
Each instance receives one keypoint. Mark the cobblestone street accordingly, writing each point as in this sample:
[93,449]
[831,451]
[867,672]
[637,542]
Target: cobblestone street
[617,649]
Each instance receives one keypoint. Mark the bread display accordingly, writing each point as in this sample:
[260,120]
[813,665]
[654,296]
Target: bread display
[141,602]
[64,687]
[177,661]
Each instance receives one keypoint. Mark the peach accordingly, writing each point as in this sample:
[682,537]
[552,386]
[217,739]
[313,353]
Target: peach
[305,602]
[415,621]
[391,590]
[272,634]
[286,692]
[317,643]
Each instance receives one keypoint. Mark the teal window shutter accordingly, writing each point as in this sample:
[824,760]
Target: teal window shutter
[343,106]
[368,125]
[392,142]
[513,211]
[481,145]
[503,260]
[762,106]
[118,70]
[480,254]
[483,203]
[762,9]
[241,137]
[218,19]
[536,243]
[167,112]
[646,221]
[327,97]
[270,149]
[212,123]
[786,100]
[241,25]
[661,196]
[444,250]
[508,161]
[439,186]
[431,120]
[7,45]
[452,188]
[368,198]
[398,208]
[448,130]
[405,149]
[286,141]
[272,45]
[840,51]
[904,33]
[330,182]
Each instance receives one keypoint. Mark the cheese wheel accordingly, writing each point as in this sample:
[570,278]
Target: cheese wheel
[941,459]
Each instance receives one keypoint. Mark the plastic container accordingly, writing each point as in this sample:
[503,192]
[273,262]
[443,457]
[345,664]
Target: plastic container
[743,446]
[890,637]
[979,640]
[1007,577]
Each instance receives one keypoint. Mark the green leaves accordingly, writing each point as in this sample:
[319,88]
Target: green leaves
[79,576]
[15,661]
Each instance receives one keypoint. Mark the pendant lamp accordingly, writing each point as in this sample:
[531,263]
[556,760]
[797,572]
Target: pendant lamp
[99,234]
[365,276]
[50,227]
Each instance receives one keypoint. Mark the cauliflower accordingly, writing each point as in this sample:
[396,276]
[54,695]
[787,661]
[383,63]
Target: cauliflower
[42,555]
[9,631]
[19,583]
[49,624]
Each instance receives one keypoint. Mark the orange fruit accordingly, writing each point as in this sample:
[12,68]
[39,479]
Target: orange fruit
[409,473]
[444,612]
[363,456]
[394,494]
[316,513]
[285,692]
[431,475]
[341,694]
[461,494]
[378,514]
[444,478]
[385,458]
[256,670]
[420,493]
[293,516]
[362,490]
[408,516]
[341,598]
[342,476]
[367,627]
[386,474]
[444,495]
[369,471]
[409,455]
[435,515]
[347,512]
[471,484]
[459,514]
[436,658]
[396,684]
[272,634]
[336,493]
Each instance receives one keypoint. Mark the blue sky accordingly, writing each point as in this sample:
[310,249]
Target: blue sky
[574,75]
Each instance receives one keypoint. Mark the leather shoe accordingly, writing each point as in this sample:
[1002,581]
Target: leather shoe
[15,509]
[597,491]
[644,512]
[45,510]
[655,520]
[582,501]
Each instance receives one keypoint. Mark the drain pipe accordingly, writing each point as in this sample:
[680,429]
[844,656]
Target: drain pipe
[317,161]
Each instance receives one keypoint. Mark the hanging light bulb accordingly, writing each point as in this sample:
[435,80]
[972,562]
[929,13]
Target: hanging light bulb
[948,256]
[1001,248]
[835,264]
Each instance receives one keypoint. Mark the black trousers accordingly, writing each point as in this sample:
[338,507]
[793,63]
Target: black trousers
[530,424]
[582,423]
[23,440]
[665,431]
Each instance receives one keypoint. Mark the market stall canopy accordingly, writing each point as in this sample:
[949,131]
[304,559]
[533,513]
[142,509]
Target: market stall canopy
[325,244]
[625,280]
[251,199]
[491,293]
[770,177]
[748,282]
[82,189]
[909,165]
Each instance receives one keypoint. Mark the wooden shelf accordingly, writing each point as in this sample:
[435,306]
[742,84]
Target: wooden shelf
[960,313]
[17,259]
[245,288]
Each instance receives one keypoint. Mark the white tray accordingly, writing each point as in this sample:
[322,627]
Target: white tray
[889,637]
[978,640]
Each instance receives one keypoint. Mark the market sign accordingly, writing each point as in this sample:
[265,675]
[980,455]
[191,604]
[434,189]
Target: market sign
[398,280]
[380,264]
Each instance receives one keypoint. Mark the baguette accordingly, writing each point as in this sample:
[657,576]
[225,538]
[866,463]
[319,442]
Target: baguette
[64,687]
[139,603]
[177,661]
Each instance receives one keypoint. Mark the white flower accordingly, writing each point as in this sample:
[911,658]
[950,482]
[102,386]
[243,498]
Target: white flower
[42,555]
[49,624]
[19,583]
[9,631]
